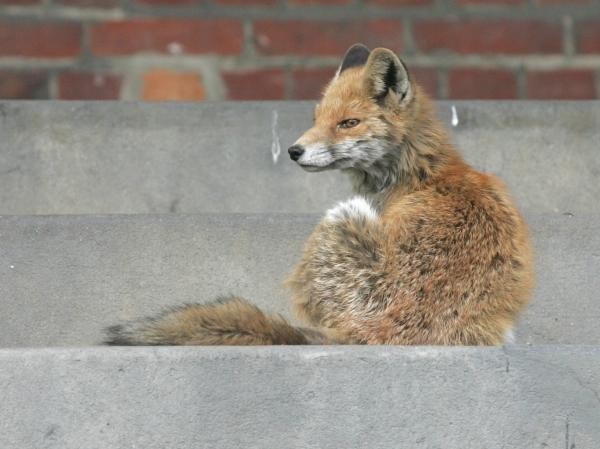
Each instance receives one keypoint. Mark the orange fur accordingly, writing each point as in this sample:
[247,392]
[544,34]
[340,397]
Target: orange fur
[447,261]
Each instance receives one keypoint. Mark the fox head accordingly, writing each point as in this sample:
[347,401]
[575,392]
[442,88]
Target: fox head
[364,114]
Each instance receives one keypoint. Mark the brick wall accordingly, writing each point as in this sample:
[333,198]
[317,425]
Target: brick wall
[287,49]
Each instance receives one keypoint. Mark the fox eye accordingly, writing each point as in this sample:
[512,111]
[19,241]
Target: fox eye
[349,123]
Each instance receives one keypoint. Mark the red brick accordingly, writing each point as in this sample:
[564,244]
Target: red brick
[160,35]
[167,2]
[478,83]
[89,3]
[24,85]
[400,2]
[20,2]
[309,83]
[40,40]
[556,2]
[318,2]
[255,85]
[427,78]
[325,38]
[489,36]
[588,37]
[88,86]
[489,2]
[245,2]
[561,85]
[161,85]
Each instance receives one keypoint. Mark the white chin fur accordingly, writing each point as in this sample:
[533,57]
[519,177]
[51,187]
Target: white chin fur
[355,208]
[313,168]
[316,155]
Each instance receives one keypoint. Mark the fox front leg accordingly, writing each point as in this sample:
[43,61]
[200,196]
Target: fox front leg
[342,267]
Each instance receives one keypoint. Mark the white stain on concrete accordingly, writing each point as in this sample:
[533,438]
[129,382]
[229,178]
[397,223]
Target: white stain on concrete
[318,354]
[509,337]
[454,116]
[275,145]
[99,80]
[175,48]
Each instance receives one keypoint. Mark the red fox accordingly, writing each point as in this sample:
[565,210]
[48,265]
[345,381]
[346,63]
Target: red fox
[429,252]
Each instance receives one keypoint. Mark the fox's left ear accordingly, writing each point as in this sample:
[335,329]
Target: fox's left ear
[356,56]
[386,75]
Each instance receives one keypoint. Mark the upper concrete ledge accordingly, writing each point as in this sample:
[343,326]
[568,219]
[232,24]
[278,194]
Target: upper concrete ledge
[300,397]
[110,157]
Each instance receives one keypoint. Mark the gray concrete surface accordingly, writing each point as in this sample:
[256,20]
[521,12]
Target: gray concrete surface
[302,397]
[105,157]
[63,279]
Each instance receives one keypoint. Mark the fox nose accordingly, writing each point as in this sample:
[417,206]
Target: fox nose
[295,152]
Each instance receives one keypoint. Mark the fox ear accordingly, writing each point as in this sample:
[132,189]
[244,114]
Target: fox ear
[356,56]
[385,73]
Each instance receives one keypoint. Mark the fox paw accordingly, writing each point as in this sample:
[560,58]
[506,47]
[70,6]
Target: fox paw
[357,207]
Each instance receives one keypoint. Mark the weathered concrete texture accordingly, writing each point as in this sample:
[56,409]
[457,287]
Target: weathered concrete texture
[73,158]
[63,279]
[301,397]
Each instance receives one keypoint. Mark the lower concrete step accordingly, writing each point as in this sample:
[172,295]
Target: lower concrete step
[64,278]
[300,397]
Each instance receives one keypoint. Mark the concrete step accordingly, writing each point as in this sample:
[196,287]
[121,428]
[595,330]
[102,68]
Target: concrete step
[104,157]
[300,397]
[64,278]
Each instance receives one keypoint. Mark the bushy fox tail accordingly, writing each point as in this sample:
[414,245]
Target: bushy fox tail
[227,321]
